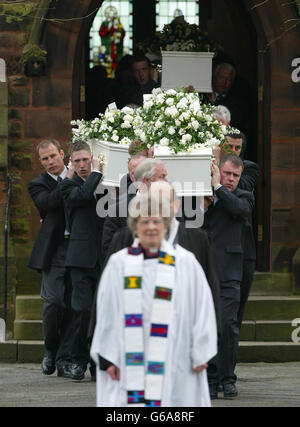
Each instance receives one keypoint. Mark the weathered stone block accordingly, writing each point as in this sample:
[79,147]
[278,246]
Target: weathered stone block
[272,284]
[22,161]
[3,94]
[272,308]
[247,332]
[19,225]
[270,352]
[284,189]
[286,93]
[285,226]
[41,124]
[286,156]
[8,351]
[3,153]
[14,114]
[284,260]
[3,121]
[51,92]
[15,129]
[30,351]
[275,330]
[18,81]
[283,123]
[28,330]
[19,96]
[29,307]
[20,146]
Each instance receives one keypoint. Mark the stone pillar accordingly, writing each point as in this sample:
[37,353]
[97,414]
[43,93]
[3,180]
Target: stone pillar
[3,116]
[9,256]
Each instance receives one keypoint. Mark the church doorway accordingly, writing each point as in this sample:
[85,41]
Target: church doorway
[234,26]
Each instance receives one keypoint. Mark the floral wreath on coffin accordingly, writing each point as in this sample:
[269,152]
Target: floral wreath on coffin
[175,119]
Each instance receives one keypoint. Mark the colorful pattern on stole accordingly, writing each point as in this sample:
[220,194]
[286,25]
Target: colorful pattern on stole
[146,390]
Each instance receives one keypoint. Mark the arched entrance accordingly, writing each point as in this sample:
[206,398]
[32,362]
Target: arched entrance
[65,45]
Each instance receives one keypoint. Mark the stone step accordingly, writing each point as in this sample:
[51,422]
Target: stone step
[28,330]
[269,352]
[272,308]
[264,330]
[29,307]
[249,352]
[250,331]
[272,284]
[22,351]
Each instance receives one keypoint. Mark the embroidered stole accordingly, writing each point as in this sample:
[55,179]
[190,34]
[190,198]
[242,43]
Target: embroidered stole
[144,378]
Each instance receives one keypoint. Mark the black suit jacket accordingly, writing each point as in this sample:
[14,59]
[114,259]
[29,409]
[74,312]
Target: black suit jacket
[248,182]
[46,195]
[84,249]
[226,221]
[116,219]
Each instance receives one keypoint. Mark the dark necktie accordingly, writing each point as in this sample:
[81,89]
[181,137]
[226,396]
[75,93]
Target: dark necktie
[59,179]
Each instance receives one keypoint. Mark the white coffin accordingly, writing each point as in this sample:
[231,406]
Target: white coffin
[188,172]
[116,160]
[181,69]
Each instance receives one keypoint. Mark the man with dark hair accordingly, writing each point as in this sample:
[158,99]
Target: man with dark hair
[248,182]
[84,255]
[144,81]
[225,219]
[48,256]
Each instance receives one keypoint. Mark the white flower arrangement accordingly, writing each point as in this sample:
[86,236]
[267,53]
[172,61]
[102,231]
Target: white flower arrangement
[117,126]
[174,118]
[178,120]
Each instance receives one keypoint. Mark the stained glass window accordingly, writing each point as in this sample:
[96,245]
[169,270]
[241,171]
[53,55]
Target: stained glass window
[114,22]
[167,10]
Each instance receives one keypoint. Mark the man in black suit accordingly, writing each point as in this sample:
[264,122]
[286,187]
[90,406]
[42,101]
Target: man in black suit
[144,171]
[248,182]
[48,256]
[224,76]
[225,219]
[84,255]
[143,82]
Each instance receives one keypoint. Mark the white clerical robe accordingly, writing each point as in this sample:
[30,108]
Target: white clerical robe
[192,333]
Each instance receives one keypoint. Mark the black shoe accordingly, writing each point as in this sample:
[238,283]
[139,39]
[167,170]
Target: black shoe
[77,372]
[93,372]
[230,391]
[213,391]
[48,365]
[64,369]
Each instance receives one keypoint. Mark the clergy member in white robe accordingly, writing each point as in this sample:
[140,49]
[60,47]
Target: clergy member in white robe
[155,323]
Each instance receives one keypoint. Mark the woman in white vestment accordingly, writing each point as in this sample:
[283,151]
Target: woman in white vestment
[156,327]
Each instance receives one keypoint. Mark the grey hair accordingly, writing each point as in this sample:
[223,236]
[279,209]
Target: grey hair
[146,169]
[222,112]
[229,67]
[148,204]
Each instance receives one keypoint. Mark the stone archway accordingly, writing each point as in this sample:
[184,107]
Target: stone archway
[57,98]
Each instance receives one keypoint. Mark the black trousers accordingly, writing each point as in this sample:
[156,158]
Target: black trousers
[221,367]
[248,274]
[84,283]
[56,294]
